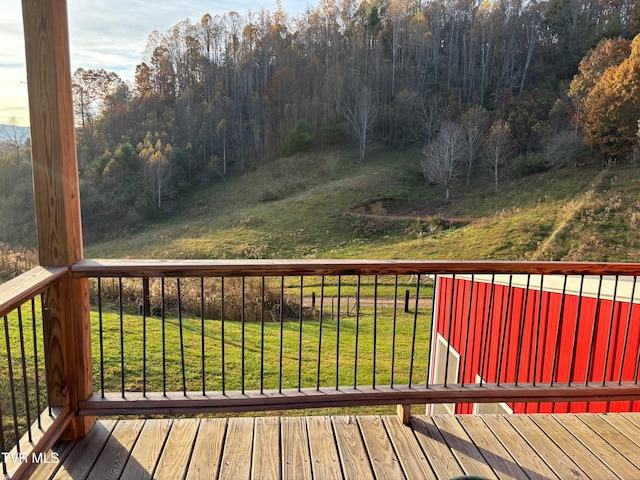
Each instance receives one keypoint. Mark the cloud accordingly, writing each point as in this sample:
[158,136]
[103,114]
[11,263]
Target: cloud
[109,34]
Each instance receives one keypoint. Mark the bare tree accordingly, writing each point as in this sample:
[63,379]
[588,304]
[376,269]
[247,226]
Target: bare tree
[14,135]
[442,157]
[360,114]
[498,146]
[475,123]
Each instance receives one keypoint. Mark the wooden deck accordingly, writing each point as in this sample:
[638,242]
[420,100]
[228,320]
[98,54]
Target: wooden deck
[599,446]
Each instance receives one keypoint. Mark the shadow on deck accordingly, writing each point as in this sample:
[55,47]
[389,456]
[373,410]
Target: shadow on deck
[562,446]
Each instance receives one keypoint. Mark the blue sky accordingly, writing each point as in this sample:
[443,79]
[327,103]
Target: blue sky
[109,34]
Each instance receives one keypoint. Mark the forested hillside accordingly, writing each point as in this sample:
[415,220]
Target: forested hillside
[485,89]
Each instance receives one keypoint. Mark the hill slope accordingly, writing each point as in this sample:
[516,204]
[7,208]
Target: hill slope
[328,205]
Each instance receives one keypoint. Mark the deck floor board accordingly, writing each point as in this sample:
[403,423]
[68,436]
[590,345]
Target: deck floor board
[536,447]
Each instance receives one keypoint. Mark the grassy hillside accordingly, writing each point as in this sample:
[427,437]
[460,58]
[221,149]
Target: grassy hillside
[329,205]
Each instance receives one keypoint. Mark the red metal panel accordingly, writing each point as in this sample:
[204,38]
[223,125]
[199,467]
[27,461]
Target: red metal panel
[510,334]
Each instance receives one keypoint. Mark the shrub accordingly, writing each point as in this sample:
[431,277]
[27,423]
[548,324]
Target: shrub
[299,139]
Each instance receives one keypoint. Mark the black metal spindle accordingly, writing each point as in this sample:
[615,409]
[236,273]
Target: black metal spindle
[554,373]
[504,329]
[122,379]
[145,309]
[355,363]
[262,313]
[45,344]
[202,340]
[523,321]
[537,338]
[415,331]
[433,320]
[2,442]
[593,332]
[393,332]
[451,304]
[300,334]
[466,341]
[281,334]
[338,335]
[577,330]
[320,331]
[610,336]
[35,362]
[25,383]
[375,325]
[242,321]
[11,383]
[101,335]
[626,332]
[222,341]
[182,364]
[164,338]
[485,338]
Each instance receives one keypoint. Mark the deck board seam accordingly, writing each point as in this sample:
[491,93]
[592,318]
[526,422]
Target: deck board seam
[164,444]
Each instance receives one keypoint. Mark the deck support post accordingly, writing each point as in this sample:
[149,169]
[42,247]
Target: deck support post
[404,413]
[57,204]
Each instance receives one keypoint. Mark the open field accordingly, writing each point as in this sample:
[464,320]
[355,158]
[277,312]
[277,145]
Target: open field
[328,205]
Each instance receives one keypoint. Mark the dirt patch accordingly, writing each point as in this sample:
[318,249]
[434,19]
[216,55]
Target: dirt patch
[391,210]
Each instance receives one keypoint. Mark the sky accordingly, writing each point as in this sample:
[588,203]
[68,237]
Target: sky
[109,34]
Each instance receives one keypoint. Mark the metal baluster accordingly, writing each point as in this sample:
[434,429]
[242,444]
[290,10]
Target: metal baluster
[523,322]
[320,331]
[24,375]
[184,373]
[12,383]
[122,379]
[433,320]
[535,356]
[355,363]
[554,373]
[610,337]
[577,329]
[415,331]
[504,329]
[35,361]
[626,333]
[466,342]
[593,332]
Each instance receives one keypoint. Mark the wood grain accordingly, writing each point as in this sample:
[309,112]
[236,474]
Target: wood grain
[412,459]
[135,403]
[207,451]
[553,455]
[196,268]
[175,456]
[440,457]
[79,462]
[582,456]
[296,462]
[325,461]
[382,457]
[23,288]
[353,454]
[56,187]
[116,451]
[144,457]
[266,449]
[236,457]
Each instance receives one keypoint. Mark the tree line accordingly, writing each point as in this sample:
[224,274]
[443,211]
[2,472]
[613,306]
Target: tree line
[480,86]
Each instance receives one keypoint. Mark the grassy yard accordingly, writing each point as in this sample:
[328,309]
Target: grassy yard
[342,347]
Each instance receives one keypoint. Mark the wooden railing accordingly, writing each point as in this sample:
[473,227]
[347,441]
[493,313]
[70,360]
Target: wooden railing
[209,336]
[33,409]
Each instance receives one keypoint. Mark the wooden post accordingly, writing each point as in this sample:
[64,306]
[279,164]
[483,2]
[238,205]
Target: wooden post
[404,413]
[406,301]
[57,202]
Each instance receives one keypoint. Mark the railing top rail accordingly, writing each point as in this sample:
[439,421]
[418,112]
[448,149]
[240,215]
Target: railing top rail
[229,268]
[24,287]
